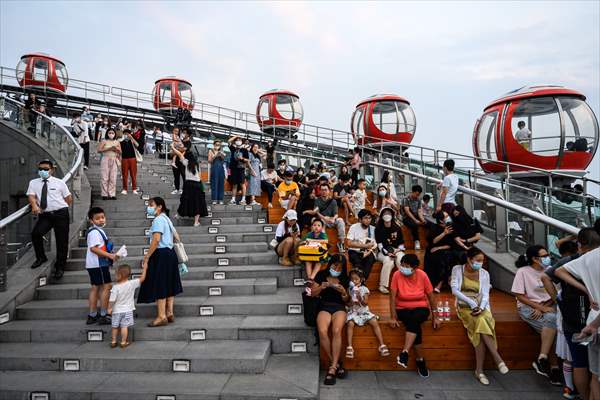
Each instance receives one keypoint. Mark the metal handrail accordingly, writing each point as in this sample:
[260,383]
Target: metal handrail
[17,215]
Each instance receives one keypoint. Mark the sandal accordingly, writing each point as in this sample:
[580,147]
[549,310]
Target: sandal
[113,345]
[383,350]
[158,322]
[330,377]
[341,372]
[170,318]
[349,352]
[124,344]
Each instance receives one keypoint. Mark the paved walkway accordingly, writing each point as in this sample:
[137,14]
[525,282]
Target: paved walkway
[441,385]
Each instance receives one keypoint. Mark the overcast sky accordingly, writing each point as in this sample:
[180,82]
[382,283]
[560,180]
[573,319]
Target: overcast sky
[448,58]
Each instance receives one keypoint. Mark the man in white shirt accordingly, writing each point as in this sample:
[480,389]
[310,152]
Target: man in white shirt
[50,199]
[362,246]
[449,188]
[587,270]
[523,135]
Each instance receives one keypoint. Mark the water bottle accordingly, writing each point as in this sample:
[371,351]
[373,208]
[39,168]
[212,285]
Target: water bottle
[446,311]
[440,311]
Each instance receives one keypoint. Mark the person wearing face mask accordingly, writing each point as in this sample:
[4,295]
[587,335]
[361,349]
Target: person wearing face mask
[312,177]
[289,192]
[412,302]
[331,287]
[470,285]
[216,159]
[362,247]
[467,229]
[237,164]
[110,148]
[390,243]
[300,178]
[534,304]
[282,168]
[49,198]
[384,200]
[439,257]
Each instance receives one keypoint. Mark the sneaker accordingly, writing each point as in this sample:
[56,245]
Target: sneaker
[105,320]
[422,368]
[401,247]
[91,320]
[221,203]
[124,192]
[214,202]
[556,377]
[383,290]
[402,359]
[180,191]
[136,191]
[568,393]
[542,367]
[417,245]
[270,205]
[175,191]
[232,202]
[85,168]
[255,203]
[243,202]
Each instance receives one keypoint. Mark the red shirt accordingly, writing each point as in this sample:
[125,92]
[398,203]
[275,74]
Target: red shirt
[411,291]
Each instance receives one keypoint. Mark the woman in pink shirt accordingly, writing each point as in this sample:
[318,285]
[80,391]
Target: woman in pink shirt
[411,302]
[534,304]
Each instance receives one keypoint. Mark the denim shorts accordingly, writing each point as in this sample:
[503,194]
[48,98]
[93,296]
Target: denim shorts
[122,320]
[548,320]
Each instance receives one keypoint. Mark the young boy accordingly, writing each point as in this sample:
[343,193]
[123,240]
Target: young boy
[122,303]
[359,198]
[98,260]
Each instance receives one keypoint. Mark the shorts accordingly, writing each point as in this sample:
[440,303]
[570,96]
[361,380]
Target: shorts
[99,276]
[284,203]
[122,320]
[332,308]
[579,353]
[412,318]
[548,320]
[594,359]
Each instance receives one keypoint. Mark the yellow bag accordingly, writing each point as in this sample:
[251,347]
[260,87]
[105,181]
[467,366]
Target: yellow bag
[313,253]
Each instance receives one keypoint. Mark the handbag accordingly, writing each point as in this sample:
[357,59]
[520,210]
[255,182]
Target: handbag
[178,246]
[138,156]
[313,253]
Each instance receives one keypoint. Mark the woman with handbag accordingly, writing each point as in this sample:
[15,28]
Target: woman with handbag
[163,281]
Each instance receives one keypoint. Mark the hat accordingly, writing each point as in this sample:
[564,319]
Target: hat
[290,214]
[364,213]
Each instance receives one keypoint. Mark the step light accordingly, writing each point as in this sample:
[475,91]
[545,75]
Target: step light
[163,178]
[71,365]
[146,232]
[298,282]
[267,229]
[217,276]
[209,214]
[146,202]
[165,397]
[221,239]
[207,311]
[294,309]
[149,216]
[145,251]
[262,221]
[223,262]
[215,222]
[4,318]
[248,208]
[220,249]
[298,347]
[82,234]
[145,197]
[95,336]
[199,334]
[213,230]
[181,365]
[42,281]
[285,398]
[39,396]
[214,291]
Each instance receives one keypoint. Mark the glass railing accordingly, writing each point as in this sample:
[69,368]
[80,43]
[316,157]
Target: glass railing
[61,148]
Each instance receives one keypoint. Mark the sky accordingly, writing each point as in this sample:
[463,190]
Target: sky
[449,59]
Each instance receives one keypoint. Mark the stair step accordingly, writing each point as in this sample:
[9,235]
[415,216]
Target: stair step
[132,240]
[142,222]
[244,356]
[290,376]
[197,288]
[203,229]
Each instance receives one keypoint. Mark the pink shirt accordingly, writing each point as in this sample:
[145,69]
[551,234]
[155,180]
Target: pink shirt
[355,163]
[528,281]
[411,291]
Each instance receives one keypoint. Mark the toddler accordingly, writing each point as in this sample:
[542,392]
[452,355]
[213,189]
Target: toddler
[359,314]
[121,303]
[316,237]
[177,145]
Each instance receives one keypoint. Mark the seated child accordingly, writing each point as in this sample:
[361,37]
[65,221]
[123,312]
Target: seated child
[359,198]
[316,237]
[122,303]
[359,314]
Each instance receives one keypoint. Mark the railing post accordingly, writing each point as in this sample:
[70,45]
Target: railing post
[3,260]
[502,234]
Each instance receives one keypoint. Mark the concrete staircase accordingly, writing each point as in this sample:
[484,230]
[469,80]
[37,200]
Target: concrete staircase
[239,331]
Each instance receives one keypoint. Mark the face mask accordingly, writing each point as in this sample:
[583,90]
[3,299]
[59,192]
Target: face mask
[382,193]
[406,271]
[44,174]
[287,182]
[387,217]
[150,210]
[476,265]
[238,144]
[448,221]
[546,261]
[334,273]
[300,173]
[111,136]
[282,167]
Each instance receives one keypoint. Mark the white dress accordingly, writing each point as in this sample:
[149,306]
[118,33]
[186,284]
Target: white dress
[360,315]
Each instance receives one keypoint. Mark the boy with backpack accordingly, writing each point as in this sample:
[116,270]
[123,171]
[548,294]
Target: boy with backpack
[98,260]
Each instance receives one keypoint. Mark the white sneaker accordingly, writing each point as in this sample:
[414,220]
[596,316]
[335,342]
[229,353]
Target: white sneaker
[417,245]
[401,247]
[175,191]
[136,191]
[232,201]
[180,191]
[221,202]
[214,202]
[255,203]
[243,202]
[123,191]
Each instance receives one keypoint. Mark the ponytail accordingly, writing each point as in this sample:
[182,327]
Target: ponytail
[530,254]
[159,201]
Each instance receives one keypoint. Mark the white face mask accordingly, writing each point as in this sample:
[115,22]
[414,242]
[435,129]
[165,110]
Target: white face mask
[111,136]
[238,144]
[387,218]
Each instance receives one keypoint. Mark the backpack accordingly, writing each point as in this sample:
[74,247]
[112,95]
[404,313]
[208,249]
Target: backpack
[108,247]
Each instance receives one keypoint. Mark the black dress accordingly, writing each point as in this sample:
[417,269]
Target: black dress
[438,265]
[236,166]
[162,278]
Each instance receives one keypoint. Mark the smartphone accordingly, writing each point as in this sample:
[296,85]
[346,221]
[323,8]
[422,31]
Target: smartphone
[582,340]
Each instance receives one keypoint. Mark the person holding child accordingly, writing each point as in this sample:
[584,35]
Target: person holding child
[98,260]
[122,303]
[163,282]
[359,313]
[316,237]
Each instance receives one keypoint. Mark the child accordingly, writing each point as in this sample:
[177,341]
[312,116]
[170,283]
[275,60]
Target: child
[122,303]
[359,314]
[315,237]
[177,145]
[98,260]
[359,198]
[425,205]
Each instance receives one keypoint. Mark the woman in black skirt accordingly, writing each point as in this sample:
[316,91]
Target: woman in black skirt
[162,281]
[192,202]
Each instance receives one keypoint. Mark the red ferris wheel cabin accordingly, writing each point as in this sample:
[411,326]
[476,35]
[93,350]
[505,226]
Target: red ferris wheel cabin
[42,72]
[279,112]
[171,93]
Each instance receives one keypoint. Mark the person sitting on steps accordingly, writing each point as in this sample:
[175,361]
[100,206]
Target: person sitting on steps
[287,236]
